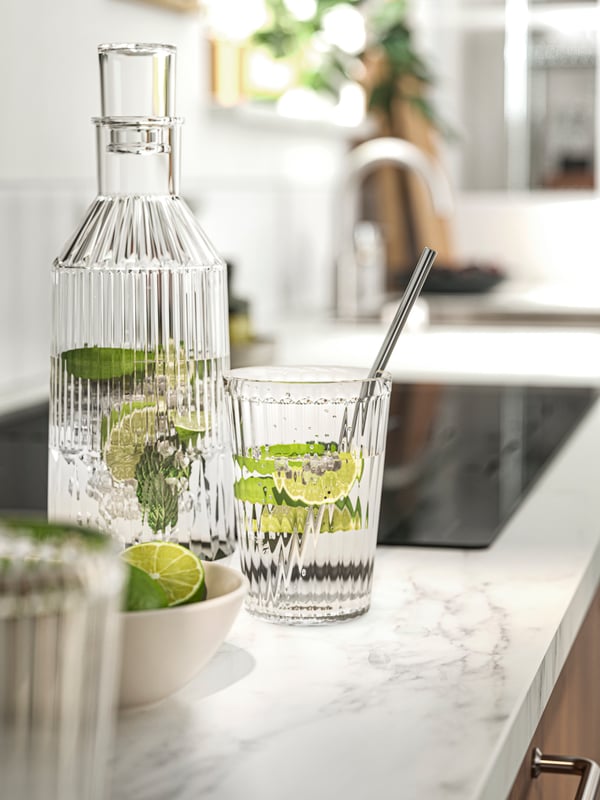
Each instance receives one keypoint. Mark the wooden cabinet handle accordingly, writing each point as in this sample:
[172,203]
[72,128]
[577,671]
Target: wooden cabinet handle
[589,785]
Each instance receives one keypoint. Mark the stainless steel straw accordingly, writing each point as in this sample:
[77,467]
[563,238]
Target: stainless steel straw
[412,291]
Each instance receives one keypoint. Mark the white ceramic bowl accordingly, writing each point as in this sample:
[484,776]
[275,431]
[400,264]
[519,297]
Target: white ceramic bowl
[164,649]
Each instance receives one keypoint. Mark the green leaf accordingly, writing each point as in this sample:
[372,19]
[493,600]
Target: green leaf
[382,96]
[158,487]
[280,42]
[161,503]
[388,15]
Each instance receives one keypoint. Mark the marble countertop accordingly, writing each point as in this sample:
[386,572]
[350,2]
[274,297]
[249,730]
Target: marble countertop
[470,354]
[434,693]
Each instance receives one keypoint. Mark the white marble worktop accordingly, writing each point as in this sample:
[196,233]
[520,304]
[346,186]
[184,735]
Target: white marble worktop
[531,354]
[434,693]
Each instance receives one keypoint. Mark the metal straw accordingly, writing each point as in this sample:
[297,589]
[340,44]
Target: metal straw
[412,291]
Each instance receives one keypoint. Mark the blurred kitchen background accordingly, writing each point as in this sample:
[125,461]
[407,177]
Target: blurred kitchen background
[501,94]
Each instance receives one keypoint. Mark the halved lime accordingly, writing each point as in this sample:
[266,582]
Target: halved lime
[143,592]
[125,435]
[103,363]
[178,571]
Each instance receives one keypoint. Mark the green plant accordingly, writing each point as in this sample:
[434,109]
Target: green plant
[326,69]
[392,35]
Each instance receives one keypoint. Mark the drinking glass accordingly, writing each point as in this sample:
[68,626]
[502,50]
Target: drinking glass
[60,594]
[308,451]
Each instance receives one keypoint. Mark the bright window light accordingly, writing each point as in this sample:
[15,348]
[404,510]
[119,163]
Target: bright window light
[303,104]
[569,21]
[350,109]
[230,19]
[267,74]
[301,9]
[344,27]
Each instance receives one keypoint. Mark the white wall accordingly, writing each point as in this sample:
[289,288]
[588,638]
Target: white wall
[48,50]
[534,236]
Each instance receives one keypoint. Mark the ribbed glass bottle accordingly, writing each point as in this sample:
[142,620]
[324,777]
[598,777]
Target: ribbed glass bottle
[139,445]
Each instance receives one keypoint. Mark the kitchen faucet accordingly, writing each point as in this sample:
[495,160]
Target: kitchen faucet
[361,161]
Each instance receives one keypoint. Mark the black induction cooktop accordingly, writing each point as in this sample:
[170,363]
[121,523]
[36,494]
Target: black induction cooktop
[460,459]
[24,459]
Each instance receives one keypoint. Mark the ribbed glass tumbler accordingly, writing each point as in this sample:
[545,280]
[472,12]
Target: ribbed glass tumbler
[60,634]
[309,446]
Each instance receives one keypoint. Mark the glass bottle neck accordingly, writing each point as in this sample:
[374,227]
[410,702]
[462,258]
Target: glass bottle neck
[138,155]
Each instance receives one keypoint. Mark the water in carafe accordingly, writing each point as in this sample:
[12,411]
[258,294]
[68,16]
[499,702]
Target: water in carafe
[139,445]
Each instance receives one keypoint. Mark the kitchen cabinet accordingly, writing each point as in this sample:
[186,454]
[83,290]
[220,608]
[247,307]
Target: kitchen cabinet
[570,724]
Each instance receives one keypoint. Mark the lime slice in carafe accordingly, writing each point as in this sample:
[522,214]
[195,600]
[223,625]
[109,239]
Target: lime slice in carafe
[104,363]
[125,434]
[190,426]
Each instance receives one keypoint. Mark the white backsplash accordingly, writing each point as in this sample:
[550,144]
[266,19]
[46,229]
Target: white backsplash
[34,222]
[535,237]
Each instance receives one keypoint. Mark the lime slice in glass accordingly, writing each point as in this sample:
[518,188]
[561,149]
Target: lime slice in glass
[175,568]
[290,519]
[263,460]
[342,520]
[103,363]
[131,428]
[283,519]
[319,479]
[258,489]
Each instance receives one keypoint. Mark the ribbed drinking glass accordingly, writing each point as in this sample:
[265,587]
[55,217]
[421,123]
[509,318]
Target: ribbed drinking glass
[60,596]
[309,446]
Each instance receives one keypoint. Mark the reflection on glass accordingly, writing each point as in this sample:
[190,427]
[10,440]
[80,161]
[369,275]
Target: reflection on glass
[563,87]
[527,93]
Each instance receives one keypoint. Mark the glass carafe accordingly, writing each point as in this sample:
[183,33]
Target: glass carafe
[139,445]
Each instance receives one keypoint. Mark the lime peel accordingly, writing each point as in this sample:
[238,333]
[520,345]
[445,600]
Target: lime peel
[143,592]
[104,363]
[179,572]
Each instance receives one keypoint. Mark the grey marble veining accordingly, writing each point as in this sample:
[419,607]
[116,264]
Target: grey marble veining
[434,693]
